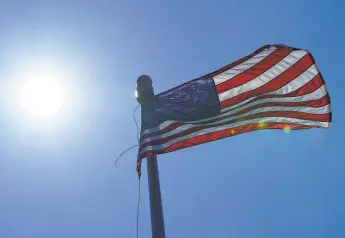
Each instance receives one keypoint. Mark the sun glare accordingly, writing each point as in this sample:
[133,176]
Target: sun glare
[42,97]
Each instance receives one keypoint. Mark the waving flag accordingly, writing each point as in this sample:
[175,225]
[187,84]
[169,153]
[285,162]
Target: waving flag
[276,87]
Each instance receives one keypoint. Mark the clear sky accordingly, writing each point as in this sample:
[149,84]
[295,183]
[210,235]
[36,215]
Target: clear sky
[57,176]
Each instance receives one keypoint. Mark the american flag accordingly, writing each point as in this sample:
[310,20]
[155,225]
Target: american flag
[276,87]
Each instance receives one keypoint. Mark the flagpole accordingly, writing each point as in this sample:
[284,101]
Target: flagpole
[157,220]
[144,96]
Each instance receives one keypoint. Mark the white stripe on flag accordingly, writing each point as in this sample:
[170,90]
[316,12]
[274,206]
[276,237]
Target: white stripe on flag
[292,86]
[319,93]
[299,82]
[264,78]
[309,110]
[232,72]
[229,126]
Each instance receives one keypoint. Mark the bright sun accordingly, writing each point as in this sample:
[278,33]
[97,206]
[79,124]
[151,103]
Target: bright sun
[42,97]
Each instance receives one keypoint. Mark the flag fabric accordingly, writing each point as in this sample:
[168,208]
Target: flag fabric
[276,87]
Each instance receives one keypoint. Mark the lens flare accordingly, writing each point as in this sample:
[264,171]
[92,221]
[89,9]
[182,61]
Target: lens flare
[287,129]
[262,125]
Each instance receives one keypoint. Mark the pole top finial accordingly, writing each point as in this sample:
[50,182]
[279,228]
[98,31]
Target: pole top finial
[144,79]
[144,92]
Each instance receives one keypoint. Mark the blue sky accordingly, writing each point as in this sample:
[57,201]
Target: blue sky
[57,177]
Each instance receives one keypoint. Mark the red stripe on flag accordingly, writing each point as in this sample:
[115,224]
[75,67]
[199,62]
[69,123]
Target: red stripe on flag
[278,82]
[315,103]
[216,136]
[253,72]
[292,114]
[305,90]
[309,87]
[240,61]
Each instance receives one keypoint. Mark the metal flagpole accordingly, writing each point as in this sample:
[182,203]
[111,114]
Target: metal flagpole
[157,220]
[144,94]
